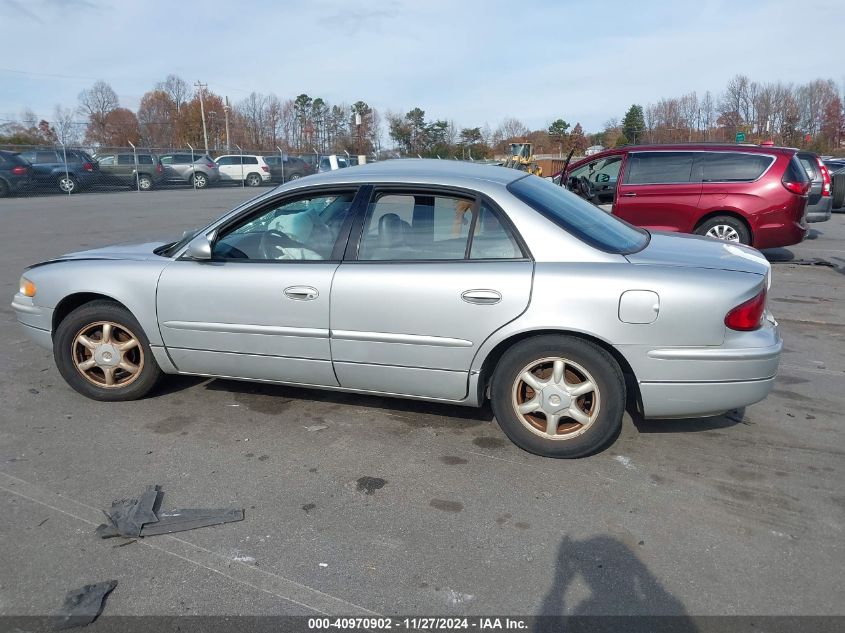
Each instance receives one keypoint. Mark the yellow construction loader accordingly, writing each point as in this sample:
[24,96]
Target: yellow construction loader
[522,158]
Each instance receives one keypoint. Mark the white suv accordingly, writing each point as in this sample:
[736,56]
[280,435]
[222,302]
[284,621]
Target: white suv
[242,168]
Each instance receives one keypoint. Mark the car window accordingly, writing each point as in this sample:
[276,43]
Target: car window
[166,160]
[226,160]
[250,160]
[302,229]
[659,167]
[182,159]
[810,166]
[491,239]
[577,216]
[106,160]
[600,171]
[28,156]
[733,166]
[145,159]
[419,226]
[125,159]
[47,157]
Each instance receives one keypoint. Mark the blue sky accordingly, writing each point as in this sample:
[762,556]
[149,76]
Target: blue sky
[473,61]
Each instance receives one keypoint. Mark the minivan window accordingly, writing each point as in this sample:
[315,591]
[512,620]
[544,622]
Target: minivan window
[577,216]
[653,168]
[733,166]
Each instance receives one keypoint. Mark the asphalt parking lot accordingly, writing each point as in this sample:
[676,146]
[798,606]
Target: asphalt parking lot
[359,505]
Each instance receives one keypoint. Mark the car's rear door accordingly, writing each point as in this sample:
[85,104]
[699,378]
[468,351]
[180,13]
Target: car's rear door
[658,190]
[259,309]
[415,297]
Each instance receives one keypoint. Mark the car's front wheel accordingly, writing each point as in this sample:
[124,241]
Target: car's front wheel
[102,352]
[145,183]
[558,396]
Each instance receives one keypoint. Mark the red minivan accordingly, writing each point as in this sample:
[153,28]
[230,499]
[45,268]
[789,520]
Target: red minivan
[742,193]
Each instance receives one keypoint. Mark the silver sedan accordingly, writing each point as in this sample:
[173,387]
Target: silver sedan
[434,280]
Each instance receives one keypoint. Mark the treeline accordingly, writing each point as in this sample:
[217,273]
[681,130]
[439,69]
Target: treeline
[170,116]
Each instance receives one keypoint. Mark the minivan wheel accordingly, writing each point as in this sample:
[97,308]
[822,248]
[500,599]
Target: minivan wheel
[558,396]
[725,227]
[253,180]
[68,184]
[145,183]
[102,352]
[200,181]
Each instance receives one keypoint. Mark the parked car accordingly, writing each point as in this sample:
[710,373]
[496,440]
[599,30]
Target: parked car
[465,304]
[198,170]
[287,168]
[836,167]
[120,169]
[819,201]
[49,169]
[741,193]
[15,174]
[332,162]
[249,170]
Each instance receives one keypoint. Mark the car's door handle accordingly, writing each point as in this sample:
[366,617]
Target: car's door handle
[301,293]
[482,297]
[630,194]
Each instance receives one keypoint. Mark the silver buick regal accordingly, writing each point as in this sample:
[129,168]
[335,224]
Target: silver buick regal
[436,280]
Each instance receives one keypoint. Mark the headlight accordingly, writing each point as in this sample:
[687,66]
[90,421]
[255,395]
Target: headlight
[27,288]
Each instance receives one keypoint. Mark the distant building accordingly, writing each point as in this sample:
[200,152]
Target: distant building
[593,149]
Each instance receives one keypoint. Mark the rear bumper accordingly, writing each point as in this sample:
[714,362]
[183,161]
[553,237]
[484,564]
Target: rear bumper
[820,212]
[699,381]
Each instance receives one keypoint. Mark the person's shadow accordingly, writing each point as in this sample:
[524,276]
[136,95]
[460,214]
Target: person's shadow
[621,590]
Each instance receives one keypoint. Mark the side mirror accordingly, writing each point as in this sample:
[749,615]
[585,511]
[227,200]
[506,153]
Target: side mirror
[199,248]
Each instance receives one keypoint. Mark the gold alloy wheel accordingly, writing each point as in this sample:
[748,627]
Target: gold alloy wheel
[556,398]
[107,354]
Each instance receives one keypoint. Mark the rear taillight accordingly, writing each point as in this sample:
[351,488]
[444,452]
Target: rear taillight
[801,188]
[87,166]
[825,178]
[265,168]
[20,170]
[747,316]
[211,165]
[159,169]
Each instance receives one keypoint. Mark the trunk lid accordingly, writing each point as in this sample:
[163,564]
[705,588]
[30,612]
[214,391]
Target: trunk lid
[694,251]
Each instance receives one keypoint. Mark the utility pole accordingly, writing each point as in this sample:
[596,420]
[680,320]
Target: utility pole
[201,87]
[226,109]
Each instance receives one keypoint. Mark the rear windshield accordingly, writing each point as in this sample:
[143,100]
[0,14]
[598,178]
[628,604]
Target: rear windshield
[811,166]
[577,216]
[795,171]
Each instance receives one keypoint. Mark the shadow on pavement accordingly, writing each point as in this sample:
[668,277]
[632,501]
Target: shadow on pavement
[689,425]
[613,582]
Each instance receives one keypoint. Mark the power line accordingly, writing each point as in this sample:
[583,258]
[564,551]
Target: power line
[36,74]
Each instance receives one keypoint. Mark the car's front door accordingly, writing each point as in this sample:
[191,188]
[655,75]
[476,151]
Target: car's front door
[435,274]
[259,308]
[659,190]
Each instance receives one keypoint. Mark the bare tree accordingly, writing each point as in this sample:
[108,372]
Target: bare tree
[65,125]
[96,103]
[176,88]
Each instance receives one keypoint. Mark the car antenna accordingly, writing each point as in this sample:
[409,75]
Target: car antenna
[565,165]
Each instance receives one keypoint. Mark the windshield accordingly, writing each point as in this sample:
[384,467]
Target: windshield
[584,220]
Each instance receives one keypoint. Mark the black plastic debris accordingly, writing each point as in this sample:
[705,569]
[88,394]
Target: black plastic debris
[83,606]
[142,517]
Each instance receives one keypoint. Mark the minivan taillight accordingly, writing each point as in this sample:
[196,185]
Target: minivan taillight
[211,165]
[801,188]
[20,170]
[87,166]
[747,316]
[825,178]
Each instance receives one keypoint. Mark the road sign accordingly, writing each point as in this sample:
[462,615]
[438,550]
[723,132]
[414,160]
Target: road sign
[740,137]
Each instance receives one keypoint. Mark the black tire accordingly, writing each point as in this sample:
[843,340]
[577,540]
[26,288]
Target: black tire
[67,183]
[294,177]
[145,183]
[253,180]
[724,224]
[4,188]
[200,180]
[838,191]
[66,348]
[606,402]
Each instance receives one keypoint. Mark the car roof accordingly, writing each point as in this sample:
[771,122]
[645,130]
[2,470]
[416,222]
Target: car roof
[423,170]
[718,147]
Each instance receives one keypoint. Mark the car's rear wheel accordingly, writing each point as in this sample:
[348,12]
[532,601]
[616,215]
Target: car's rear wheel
[253,180]
[558,396]
[145,183]
[726,228]
[200,181]
[68,184]
[102,352]
[294,177]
